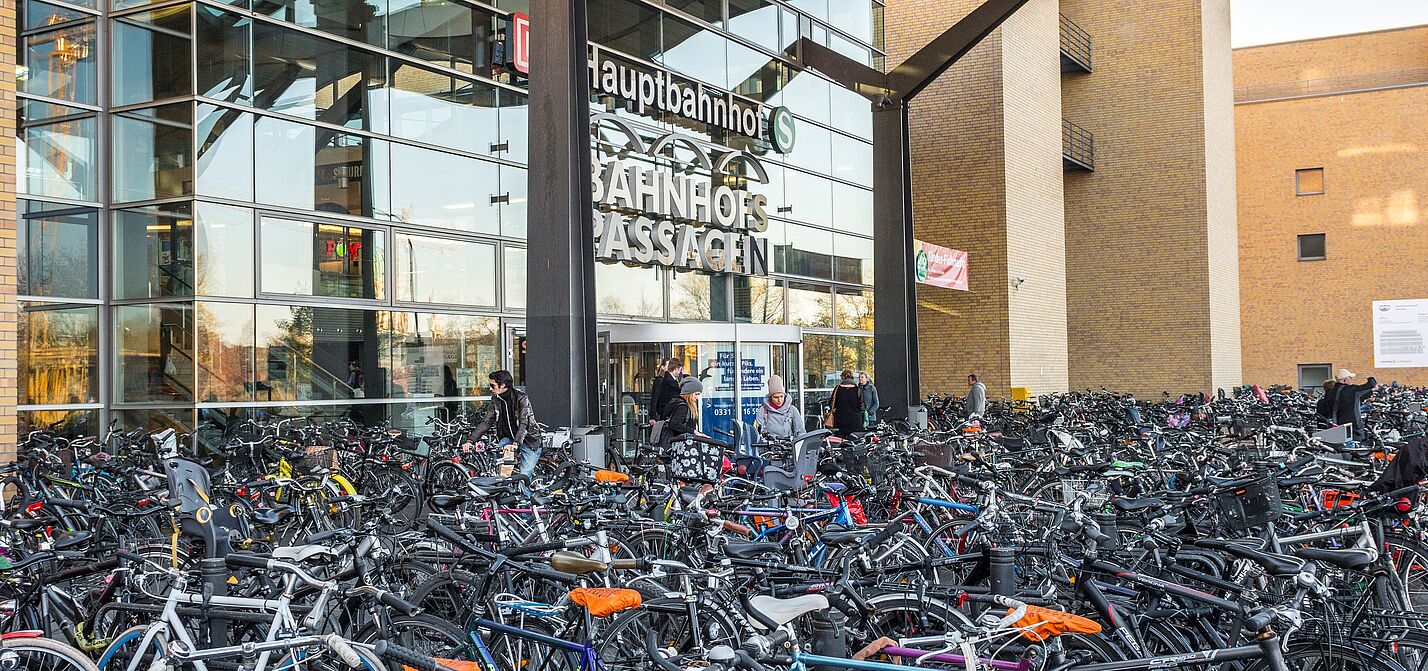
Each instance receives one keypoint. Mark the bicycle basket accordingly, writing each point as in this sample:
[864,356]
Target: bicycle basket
[1251,505]
[695,461]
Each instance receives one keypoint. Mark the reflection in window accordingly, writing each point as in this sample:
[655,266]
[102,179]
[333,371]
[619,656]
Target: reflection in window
[153,251]
[154,356]
[361,20]
[433,188]
[809,197]
[69,423]
[437,270]
[151,59]
[436,355]
[809,252]
[34,14]
[806,95]
[314,78]
[820,362]
[811,150]
[753,74]
[225,153]
[308,353]
[627,26]
[437,108]
[58,359]
[855,353]
[810,305]
[851,113]
[515,125]
[223,251]
[514,197]
[515,277]
[222,39]
[155,419]
[855,310]
[56,158]
[315,168]
[57,253]
[852,259]
[693,51]
[852,159]
[306,259]
[853,210]
[629,290]
[59,63]
[225,352]
[758,300]
[152,153]
[854,17]
[700,297]
[755,20]
[441,32]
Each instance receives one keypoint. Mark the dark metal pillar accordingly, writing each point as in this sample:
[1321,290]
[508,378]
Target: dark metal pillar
[894,289]
[560,272]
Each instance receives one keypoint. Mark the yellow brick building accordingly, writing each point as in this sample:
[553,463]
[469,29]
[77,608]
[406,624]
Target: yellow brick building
[1332,140]
[1083,155]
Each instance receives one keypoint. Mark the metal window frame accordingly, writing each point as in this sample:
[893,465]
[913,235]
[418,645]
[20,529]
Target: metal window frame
[1323,183]
[1299,246]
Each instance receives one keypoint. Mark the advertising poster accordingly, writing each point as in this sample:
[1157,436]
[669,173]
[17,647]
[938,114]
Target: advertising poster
[1399,328]
[940,266]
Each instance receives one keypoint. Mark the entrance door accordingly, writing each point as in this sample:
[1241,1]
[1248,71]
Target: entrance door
[516,353]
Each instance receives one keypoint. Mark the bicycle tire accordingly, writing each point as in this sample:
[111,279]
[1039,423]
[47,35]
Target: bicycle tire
[46,654]
[123,647]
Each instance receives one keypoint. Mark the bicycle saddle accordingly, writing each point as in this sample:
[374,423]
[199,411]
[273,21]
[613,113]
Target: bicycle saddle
[72,539]
[783,611]
[836,535]
[750,550]
[303,553]
[1132,505]
[271,516]
[447,501]
[1345,558]
[1273,564]
[577,564]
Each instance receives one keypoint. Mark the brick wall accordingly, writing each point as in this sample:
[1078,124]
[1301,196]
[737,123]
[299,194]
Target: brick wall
[1220,214]
[9,352]
[1325,58]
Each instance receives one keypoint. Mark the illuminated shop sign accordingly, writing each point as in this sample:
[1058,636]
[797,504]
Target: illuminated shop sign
[654,89]
[688,219]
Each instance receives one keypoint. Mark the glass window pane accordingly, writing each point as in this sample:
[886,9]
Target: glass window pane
[513,208]
[812,149]
[818,9]
[437,355]
[442,32]
[155,419]
[154,357]
[223,54]
[60,63]
[749,70]
[851,113]
[58,354]
[361,20]
[57,159]
[856,354]
[625,25]
[755,20]
[36,14]
[820,364]
[223,254]
[151,59]
[515,277]
[225,352]
[436,108]
[849,48]
[629,290]
[68,423]
[808,197]
[319,169]
[152,154]
[805,94]
[758,300]
[432,188]
[225,153]
[515,126]
[311,259]
[810,306]
[57,254]
[313,78]
[855,310]
[809,252]
[153,251]
[308,353]
[698,296]
[853,210]
[693,51]
[854,17]
[852,259]
[437,270]
[709,11]
[852,159]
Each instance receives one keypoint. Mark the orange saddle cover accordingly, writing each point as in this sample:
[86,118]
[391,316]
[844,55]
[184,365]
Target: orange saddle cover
[1043,623]
[605,601]
[611,477]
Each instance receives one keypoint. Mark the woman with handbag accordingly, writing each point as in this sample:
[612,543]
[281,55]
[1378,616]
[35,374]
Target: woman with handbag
[845,411]
[682,412]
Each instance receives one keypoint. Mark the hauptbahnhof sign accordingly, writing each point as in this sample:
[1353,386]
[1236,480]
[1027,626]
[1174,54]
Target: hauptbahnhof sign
[657,89]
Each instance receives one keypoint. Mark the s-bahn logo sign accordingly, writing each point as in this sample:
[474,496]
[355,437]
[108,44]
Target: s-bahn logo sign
[654,89]
[689,219]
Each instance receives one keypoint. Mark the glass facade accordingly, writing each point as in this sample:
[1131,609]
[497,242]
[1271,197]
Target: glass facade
[240,209]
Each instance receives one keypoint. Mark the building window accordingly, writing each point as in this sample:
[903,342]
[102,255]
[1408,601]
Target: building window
[1313,375]
[1308,181]
[333,260]
[1311,247]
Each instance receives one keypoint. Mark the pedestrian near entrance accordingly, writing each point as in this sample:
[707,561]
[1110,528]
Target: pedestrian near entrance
[847,406]
[664,387]
[510,413]
[871,402]
[682,412]
[1349,398]
[1324,407]
[976,396]
[778,417]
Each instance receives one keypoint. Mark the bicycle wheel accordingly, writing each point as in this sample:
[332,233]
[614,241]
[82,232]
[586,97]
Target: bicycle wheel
[427,634]
[43,654]
[897,615]
[1410,561]
[1324,656]
[125,647]
[622,644]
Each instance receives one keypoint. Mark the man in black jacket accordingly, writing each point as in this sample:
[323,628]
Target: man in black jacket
[1348,400]
[664,387]
[510,413]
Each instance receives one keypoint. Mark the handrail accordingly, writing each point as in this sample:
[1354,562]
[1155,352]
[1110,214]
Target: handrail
[1075,43]
[1368,81]
[1078,145]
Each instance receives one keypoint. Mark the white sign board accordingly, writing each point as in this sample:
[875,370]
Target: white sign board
[1399,331]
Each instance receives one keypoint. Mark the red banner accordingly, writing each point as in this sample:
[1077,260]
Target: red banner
[940,266]
[521,42]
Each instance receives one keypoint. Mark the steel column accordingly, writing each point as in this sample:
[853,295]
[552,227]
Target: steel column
[560,266]
[894,287]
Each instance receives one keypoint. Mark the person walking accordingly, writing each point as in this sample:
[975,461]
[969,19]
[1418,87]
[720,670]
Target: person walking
[681,413]
[1324,407]
[664,387]
[1348,400]
[976,396]
[510,413]
[871,402]
[847,406]
[777,416]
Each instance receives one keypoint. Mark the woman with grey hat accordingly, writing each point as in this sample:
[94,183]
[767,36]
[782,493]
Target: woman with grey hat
[682,412]
[778,417]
